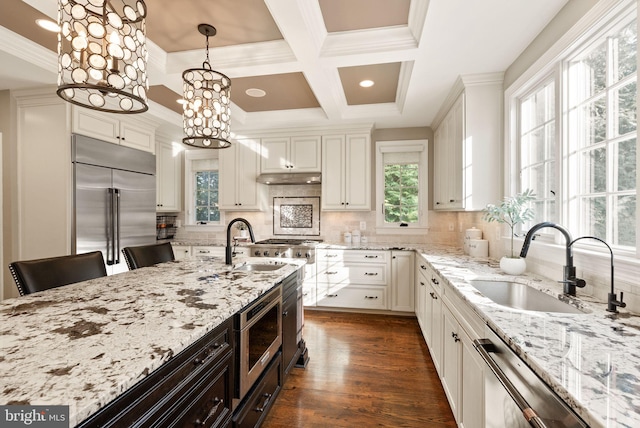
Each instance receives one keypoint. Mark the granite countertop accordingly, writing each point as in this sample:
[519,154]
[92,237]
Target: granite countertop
[591,360]
[84,344]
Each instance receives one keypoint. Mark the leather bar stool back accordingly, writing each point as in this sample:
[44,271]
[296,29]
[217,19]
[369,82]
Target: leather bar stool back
[148,255]
[37,275]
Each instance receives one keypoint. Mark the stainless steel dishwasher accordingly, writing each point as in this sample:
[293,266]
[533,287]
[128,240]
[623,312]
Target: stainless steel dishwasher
[515,397]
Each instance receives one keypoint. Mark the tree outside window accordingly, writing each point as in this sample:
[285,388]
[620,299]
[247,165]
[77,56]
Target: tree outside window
[206,188]
[401,190]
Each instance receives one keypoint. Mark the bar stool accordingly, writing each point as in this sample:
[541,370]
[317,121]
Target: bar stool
[32,276]
[148,255]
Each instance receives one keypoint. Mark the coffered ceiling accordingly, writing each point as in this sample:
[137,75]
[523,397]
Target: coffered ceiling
[306,56]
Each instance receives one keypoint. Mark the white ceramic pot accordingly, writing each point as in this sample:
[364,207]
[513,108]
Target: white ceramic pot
[244,233]
[513,266]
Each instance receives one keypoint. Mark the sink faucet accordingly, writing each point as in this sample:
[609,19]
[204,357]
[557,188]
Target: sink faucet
[612,298]
[228,250]
[569,279]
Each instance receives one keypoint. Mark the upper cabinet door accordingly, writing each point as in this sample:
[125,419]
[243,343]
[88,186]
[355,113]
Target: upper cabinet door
[295,154]
[275,155]
[346,172]
[305,154]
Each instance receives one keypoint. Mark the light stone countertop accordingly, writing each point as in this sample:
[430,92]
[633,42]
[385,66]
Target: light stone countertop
[591,360]
[84,344]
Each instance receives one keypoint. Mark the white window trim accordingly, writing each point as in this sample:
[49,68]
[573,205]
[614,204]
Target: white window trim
[418,146]
[547,64]
[190,225]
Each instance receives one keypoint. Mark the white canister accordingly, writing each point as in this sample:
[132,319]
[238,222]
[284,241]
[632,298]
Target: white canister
[470,234]
[355,237]
[347,237]
[364,240]
[478,248]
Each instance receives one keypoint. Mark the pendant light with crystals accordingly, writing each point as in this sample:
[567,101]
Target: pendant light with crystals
[102,54]
[206,104]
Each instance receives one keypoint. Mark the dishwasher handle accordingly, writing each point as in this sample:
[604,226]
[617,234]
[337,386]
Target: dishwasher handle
[484,347]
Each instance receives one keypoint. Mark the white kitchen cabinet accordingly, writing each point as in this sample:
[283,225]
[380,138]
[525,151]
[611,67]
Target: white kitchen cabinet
[181,252]
[239,169]
[434,314]
[451,360]
[429,309]
[357,279]
[421,301]
[290,154]
[402,281]
[472,385]
[346,172]
[467,141]
[41,222]
[168,176]
[134,133]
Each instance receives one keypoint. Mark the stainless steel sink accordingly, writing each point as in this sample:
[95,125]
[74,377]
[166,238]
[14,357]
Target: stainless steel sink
[259,267]
[521,296]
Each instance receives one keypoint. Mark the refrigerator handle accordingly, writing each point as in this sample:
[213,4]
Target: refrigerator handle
[116,246]
[110,226]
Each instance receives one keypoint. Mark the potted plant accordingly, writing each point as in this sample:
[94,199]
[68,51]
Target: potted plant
[242,228]
[512,211]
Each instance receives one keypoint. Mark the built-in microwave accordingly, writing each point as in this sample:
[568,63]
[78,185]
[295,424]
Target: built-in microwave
[259,336]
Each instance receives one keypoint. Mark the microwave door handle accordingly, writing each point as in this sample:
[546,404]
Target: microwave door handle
[116,246]
[484,347]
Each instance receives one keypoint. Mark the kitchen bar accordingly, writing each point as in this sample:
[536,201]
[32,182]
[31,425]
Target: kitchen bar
[85,344]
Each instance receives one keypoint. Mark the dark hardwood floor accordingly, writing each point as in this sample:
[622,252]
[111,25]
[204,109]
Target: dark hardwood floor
[365,371]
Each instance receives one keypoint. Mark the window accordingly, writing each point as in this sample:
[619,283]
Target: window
[401,184]
[576,134]
[206,187]
[201,189]
[538,150]
[601,136]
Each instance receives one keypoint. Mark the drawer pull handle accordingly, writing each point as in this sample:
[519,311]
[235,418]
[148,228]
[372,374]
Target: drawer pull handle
[217,402]
[332,295]
[371,274]
[204,251]
[455,337]
[435,281]
[423,267]
[285,313]
[265,403]
[370,297]
[331,255]
[433,295]
[332,273]
[370,257]
[422,283]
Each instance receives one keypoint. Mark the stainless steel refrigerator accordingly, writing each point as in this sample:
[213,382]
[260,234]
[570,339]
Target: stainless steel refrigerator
[114,199]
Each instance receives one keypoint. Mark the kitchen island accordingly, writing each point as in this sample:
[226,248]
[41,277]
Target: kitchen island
[85,344]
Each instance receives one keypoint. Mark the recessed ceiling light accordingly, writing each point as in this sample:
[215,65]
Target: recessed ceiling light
[255,92]
[367,83]
[48,25]
[181,101]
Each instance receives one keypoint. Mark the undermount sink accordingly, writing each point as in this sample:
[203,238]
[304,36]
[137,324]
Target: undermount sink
[521,296]
[259,267]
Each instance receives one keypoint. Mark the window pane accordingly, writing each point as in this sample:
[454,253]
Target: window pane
[627,119]
[595,171]
[588,75]
[624,47]
[401,193]
[626,158]
[594,122]
[206,200]
[626,221]
[596,217]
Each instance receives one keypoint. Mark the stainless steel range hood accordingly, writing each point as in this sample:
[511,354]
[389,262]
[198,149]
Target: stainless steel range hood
[290,178]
